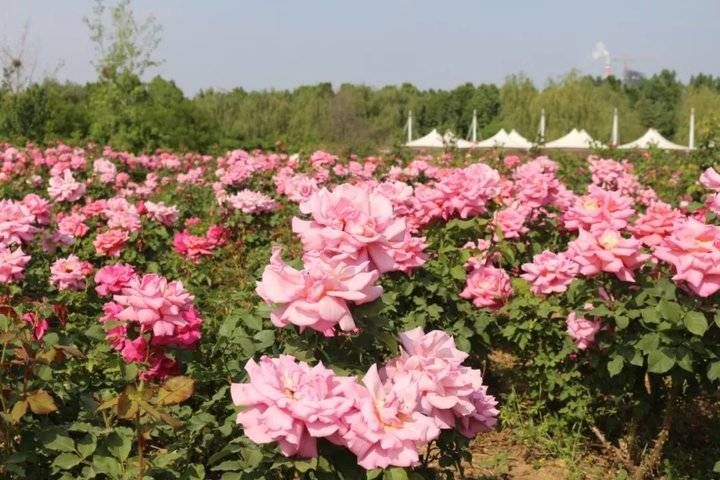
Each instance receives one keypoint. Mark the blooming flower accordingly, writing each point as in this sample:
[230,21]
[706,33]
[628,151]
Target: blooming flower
[693,249]
[710,179]
[113,278]
[291,403]
[447,390]
[598,211]
[316,297]
[550,272]
[606,252]
[487,287]
[65,188]
[351,221]
[111,243]
[161,213]
[12,264]
[656,223]
[69,273]
[248,201]
[16,223]
[155,303]
[386,428]
[582,330]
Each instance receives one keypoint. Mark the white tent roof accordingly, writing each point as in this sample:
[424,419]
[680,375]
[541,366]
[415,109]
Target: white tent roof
[653,137]
[517,141]
[431,140]
[574,140]
[498,140]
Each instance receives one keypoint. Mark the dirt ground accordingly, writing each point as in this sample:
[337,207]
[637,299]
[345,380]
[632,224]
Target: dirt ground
[499,456]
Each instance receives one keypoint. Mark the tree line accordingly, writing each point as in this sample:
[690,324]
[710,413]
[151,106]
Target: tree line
[122,110]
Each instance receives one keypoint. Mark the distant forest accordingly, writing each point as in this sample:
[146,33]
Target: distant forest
[122,110]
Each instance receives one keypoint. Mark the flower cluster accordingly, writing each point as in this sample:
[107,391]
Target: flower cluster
[148,314]
[384,420]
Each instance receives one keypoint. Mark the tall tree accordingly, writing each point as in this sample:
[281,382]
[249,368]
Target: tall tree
[124,44]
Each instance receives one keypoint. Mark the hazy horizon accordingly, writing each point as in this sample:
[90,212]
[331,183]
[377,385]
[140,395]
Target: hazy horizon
[262,45]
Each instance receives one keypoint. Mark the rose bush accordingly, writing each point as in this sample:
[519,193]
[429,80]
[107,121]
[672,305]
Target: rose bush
[151,329]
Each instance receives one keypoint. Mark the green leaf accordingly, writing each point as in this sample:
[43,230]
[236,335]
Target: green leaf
[373,474]
[395,474]
[615,365]
[696,323]
[265,338]
[119,443]
[194,472]
[714,371]
[621,322]
[716,468]
[66,461]
[659,362]
[231,476]
[87,445]
[649,342]
[253,457]
[228,465]
[107,465]
[717,318]
[458,272]
[53,440]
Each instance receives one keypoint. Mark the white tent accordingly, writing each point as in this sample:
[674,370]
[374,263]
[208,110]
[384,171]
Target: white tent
[431,140]
[573,140]
[517,141]
[500,139]
[652,138]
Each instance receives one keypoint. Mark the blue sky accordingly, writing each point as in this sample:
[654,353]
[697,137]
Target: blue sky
[258,44]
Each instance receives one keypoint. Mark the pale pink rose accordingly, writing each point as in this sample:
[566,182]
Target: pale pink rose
[446,389]
[155,303]
[656,223]
[39,207]
[111,243]
[105,169]
[693,249]
[511,221]
[73,225]
[467,190]
[248,201]
[386,428]
[607,252]
[582,330]
[65,188]
[122,214]
[161,213]
[113,278]
[16,223]
[351,221]
[69,273]
[487,287]
[550,272]
[316,297]
[12,264]
[291,403]
[598,211]
[710,179]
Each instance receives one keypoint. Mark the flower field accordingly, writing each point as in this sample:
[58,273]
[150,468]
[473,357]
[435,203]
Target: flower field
[260,315]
